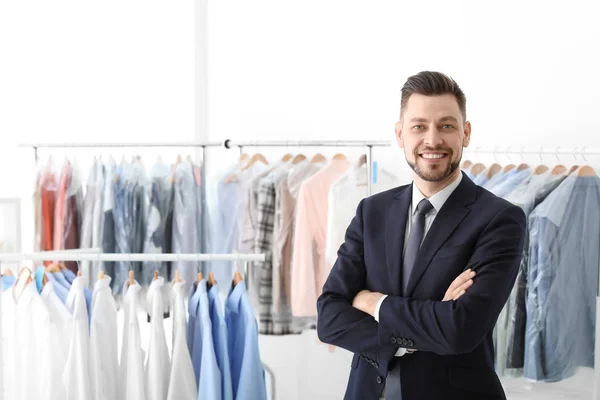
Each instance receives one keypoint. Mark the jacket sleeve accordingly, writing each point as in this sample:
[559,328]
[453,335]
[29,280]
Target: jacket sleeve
[339,323]
[455,327]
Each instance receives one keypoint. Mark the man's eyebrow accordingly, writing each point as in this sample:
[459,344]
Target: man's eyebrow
[416,119]
[448,118]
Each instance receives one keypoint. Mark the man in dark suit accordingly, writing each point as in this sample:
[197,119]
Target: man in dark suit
[384,299]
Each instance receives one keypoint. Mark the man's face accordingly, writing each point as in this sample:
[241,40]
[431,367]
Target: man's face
[432,133]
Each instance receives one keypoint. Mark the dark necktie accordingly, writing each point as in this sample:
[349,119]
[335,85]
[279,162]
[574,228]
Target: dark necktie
[415,237]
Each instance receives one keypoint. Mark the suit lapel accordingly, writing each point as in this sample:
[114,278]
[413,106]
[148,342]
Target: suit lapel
[444,224]
[395,229]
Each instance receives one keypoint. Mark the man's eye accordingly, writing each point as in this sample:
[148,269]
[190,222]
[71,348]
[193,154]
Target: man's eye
[418,127]
[448,126]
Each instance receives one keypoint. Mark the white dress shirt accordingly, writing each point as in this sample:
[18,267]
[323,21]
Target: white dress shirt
[158,364]
[61,325]
[437,201]
[103,342]
[182,383]
[26,345]
[132,356]
[76,374]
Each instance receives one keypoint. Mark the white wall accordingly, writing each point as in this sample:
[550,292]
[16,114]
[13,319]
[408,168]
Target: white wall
[334,69]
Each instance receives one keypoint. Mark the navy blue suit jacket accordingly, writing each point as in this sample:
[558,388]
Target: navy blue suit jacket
[455,357]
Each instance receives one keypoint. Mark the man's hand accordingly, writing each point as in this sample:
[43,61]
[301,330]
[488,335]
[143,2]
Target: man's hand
[366,301]
[460,285]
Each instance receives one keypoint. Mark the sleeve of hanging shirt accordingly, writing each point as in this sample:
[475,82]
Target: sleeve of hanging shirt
[209,386]
[303,261]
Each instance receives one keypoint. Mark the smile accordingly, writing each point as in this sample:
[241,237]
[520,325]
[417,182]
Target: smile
[433,156]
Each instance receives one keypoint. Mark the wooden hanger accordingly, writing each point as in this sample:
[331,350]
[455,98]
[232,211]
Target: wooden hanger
[177,277]
[211,278]
[585,171]
[131,278]
[254,159]
[466,164]
[237,278]
[339,157]
[540,169]
[155,275]
[298,159]
[44,280]
[100,275]
[362,160]
[558,170]
[287,157]
[199,277]
[508,167]
[244,157]
[8,272]
[573,169]
[79,273]
[317,158]
[22,280]
[177,162]
[477,169]
[55,267]
[522,167]
[493,170]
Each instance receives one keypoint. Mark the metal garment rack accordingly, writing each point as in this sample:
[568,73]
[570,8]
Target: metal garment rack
[369,144]
[576,152]
[71,255]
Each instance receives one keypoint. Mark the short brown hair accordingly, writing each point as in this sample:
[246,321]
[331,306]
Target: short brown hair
[431,83]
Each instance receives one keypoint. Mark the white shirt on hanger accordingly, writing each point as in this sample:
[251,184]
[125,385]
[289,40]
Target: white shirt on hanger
[76,375]
[132,356]
[104,367]
[182,385]
[26,347]
[61,325]
[158,364]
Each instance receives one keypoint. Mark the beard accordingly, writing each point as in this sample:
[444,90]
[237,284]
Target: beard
[434,173]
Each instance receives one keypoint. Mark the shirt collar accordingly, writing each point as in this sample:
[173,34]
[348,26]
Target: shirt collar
[438,199]
[235,297]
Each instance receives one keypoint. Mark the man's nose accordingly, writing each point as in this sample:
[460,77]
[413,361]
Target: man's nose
[433,137]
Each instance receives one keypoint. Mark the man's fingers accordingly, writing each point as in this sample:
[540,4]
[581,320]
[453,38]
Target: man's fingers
[459,294]
[462,289]
[461,279]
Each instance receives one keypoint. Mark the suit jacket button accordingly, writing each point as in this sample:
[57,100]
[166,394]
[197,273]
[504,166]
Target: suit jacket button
[410,343]
[379,380]
[393,340]
[404,342]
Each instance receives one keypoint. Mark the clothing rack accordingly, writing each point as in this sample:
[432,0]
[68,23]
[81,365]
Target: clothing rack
[70,255]
[369,144]
[579,151]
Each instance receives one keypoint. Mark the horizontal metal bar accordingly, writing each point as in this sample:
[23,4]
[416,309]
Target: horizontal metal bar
[309,143]
[129,144]
[577,151]
[132,257]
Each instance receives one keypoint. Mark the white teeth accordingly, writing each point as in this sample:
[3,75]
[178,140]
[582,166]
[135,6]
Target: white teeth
[433,155]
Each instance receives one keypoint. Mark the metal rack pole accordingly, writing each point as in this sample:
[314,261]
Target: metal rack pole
[136,257]
[37,146]
[307,143]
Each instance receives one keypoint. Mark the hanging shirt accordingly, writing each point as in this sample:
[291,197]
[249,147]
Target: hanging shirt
[107,236]
[204,360]
[26,353]
[97,221]
[564,232]
[61,323]
[103,343]
[512,181]
[310,270]
[2,394]
[182,382]
[87,293]
[88,218]
[76,374]
[247,372]
[344,196]
[7,282]
[131,374]
[48,189]
[219,334]
[158,364]
[283,232]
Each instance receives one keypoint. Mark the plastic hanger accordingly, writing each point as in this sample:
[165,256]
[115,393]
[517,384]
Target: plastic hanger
[317,158]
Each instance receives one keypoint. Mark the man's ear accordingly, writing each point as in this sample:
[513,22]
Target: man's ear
[467,134]
[399,137]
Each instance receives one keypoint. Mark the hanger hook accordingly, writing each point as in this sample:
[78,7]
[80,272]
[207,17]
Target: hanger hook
[495,148]
[556,153]
[521,154]
[583,153]
[540,154]
[575,153]
[507,156]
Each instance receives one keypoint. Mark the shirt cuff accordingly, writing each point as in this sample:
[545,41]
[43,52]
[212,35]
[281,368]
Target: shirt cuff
[378,306]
